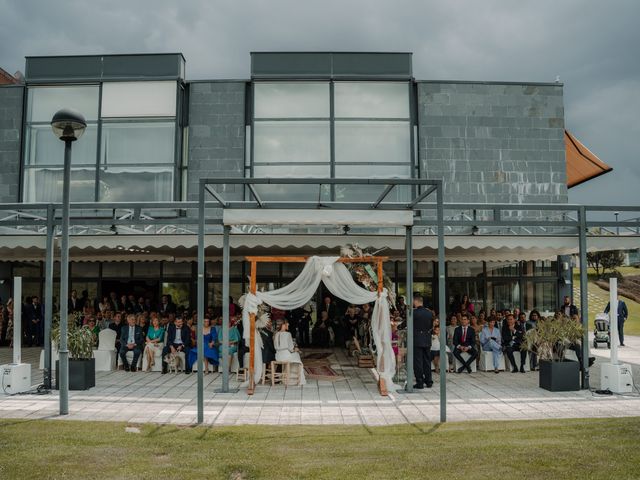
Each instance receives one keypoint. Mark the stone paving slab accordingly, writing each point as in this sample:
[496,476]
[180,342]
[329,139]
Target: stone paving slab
[152,397]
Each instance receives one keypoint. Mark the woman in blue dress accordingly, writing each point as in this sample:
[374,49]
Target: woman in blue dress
[210,347]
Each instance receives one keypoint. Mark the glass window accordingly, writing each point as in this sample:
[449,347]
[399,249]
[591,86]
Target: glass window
[43,102]
[541,296]
[26,269]
[540,268]
[503,295]
[146,269]
[136,143]
[45,184]
[371,141]
[214,294]
[42,147]
[119,184]
[456,289]
[176,269]
[179,292]
[116,269]
[139,99]
[372,99]
[291,100]
[90,287]
[464,269]
[502,269]
[292,269]
[85,269]
[291,142]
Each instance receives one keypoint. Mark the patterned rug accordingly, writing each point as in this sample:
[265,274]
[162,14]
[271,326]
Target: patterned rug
[317,355]
[322,372]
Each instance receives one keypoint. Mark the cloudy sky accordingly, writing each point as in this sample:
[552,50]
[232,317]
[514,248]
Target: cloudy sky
[592,45]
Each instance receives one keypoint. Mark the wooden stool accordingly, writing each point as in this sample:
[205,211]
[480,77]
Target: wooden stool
[242,375]
[267,372]
[283,375]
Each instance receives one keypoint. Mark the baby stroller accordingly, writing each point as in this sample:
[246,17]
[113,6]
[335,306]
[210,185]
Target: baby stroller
[601,331]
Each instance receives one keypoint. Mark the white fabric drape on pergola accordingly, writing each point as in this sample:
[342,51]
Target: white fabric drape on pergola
[338,279]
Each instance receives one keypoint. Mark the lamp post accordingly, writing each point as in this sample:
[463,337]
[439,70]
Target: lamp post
[617,227]
[68,126]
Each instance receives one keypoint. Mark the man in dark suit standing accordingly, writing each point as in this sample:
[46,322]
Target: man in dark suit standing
[422,326]
[568,308]
[464,341]
[623,313]
[74,303]
[178,340]
[33,322]
[131,340]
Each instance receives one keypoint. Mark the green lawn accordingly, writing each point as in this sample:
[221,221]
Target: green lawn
[598,299]
[595,448]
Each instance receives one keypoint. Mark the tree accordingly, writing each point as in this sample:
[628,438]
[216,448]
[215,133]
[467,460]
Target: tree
[606,260]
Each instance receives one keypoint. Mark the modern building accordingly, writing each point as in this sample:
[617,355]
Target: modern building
[152,134]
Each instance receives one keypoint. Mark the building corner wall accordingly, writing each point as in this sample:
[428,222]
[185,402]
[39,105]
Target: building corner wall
[11,107]
[216,132]
[493,143]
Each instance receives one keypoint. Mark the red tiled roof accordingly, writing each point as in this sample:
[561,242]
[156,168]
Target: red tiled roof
[582,164]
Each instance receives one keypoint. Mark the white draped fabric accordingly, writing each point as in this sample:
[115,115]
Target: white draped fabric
[339,281]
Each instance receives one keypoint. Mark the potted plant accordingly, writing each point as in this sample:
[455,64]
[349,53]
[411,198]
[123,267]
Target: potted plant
[549,340]
[82,367]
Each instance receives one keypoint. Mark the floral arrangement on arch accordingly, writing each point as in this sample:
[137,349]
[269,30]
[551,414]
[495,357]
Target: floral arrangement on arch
[366,273]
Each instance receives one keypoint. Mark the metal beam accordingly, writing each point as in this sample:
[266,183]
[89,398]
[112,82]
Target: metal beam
[216,195]
[409,302]
[252,189]
[225,308]
[584,298]
[200,304]
[422,196]
[48,298]
[442,313]
[383,195]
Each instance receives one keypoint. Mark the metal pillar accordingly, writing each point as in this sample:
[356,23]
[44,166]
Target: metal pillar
[63,372]
[225,309]
[17,320]
[200,304]
[442,312]
[584,299]
[48,298]
[409,289]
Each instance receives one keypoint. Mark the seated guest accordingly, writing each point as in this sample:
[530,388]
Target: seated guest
[512,338]
[464,340]
[451,329]
[491,341]
[131,340]
[144,324]
[116,326]
[155,336]
[95,330]
[268,349]
[286,351]
[435,350]
[178,340]
[534,316]
[208,345]
[320,332]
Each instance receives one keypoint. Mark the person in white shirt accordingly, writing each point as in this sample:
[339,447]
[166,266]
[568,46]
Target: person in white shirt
[286,351]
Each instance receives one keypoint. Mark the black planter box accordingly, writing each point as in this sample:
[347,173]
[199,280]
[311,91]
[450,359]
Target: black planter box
[82,374]
[560,376]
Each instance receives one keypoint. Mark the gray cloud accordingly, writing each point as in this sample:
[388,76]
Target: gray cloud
[591,45]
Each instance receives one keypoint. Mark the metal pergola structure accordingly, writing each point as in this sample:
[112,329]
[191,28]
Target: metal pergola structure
[431,218]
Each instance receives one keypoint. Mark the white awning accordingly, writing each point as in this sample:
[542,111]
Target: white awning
[184,247]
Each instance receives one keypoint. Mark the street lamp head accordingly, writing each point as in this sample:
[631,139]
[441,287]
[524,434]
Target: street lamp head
[68,125]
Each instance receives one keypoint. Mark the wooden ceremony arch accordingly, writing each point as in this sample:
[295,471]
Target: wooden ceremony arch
[254,260]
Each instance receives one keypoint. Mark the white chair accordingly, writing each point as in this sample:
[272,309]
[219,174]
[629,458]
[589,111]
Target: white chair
[157,359]
[486,361]
[105,355]
[129,356]
[517,356]
[54,357]
[570,355]
[466,356]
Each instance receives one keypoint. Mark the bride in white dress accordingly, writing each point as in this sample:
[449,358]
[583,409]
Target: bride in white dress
[286,351]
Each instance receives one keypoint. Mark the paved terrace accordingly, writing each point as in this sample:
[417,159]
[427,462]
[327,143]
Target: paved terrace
[171,398]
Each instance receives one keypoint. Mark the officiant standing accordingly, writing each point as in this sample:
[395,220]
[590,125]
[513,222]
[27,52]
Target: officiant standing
[422,326]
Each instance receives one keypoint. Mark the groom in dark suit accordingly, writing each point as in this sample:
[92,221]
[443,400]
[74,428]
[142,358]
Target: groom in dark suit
[464,341]
[422,326]
[131,340]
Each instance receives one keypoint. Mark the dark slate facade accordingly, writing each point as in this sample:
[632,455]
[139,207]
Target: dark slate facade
[11,101]
[216,132]
[493,142]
